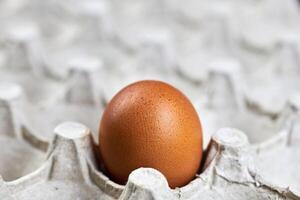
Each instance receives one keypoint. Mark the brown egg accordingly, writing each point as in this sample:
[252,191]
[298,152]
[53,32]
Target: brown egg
[151,124]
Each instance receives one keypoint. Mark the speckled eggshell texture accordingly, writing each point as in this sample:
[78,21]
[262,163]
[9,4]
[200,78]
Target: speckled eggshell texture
[151,124]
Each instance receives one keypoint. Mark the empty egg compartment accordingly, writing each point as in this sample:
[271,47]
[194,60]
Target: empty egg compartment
[281,170]
[19,156]
[226,104]
[27,125]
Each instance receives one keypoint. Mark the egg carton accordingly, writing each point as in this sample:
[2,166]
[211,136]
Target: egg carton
[68,71]
[71,160]
[71,171]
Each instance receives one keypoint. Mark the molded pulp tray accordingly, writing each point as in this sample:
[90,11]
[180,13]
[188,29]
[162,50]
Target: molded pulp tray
[62,61]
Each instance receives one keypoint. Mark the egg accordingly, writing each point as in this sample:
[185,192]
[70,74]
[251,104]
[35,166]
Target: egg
[151,124]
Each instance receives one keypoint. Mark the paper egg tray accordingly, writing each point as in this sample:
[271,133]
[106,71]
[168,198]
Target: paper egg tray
[70,169]
[62,61]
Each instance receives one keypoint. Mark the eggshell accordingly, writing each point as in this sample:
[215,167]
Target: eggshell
[151,124]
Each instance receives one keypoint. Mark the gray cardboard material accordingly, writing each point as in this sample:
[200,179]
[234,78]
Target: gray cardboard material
[62,61]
